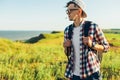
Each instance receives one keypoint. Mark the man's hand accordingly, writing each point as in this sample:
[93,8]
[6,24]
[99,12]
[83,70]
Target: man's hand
[68,79]
[67,43]
[87,41]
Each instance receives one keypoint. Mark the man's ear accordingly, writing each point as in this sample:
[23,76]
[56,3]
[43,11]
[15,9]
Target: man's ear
[80,12]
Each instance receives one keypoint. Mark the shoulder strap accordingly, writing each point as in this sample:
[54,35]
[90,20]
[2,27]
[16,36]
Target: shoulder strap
[70,31]
[86,28]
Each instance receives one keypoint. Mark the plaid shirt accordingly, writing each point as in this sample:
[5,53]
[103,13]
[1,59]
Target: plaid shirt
[89,61]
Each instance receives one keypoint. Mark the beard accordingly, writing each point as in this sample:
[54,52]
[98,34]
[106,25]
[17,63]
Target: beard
[73,18]
[70,19]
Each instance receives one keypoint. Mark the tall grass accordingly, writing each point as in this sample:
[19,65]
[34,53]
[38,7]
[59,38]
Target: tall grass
[45,60]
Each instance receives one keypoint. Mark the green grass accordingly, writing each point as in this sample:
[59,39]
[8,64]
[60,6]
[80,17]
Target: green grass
[114,39]
[45,60]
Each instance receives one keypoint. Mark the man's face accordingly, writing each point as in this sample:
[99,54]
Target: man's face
[72,12]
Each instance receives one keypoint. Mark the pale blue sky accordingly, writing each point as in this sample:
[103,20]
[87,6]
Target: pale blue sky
[50,14]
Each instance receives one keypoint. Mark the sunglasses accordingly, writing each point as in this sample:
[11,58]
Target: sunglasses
[70,10]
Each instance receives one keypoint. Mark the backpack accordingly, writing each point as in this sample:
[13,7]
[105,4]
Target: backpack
[86,30]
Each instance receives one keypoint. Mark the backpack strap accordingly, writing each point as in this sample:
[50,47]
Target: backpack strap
[86,27]
[70,31]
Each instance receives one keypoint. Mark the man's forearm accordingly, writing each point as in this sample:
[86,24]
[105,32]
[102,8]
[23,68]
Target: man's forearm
[98,47]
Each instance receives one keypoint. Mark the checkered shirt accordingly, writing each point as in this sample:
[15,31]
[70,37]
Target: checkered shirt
[89,61]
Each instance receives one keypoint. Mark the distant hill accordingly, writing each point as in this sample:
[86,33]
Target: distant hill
[35,39]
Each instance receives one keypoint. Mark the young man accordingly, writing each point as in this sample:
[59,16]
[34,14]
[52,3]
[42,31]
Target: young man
[83,63]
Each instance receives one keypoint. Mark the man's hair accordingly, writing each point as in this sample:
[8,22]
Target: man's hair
[70,2]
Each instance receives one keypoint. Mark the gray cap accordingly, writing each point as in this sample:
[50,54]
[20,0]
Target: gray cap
[81,4]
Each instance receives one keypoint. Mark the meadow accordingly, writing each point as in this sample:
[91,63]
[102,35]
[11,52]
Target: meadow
[45,59]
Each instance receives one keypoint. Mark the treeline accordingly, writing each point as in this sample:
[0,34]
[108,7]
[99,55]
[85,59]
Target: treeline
[115,31]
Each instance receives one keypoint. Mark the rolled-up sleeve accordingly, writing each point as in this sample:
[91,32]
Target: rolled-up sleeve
[101,38]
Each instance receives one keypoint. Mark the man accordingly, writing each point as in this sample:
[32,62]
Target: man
[83,63]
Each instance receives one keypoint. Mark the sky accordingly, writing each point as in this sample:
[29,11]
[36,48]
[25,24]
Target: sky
[51,15]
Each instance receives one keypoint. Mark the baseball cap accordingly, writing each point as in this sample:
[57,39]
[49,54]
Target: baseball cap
[81,4]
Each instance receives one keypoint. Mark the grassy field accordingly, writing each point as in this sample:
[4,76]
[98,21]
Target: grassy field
[45,60]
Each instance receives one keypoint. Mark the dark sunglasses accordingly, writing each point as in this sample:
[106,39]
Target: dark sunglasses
[70,10]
